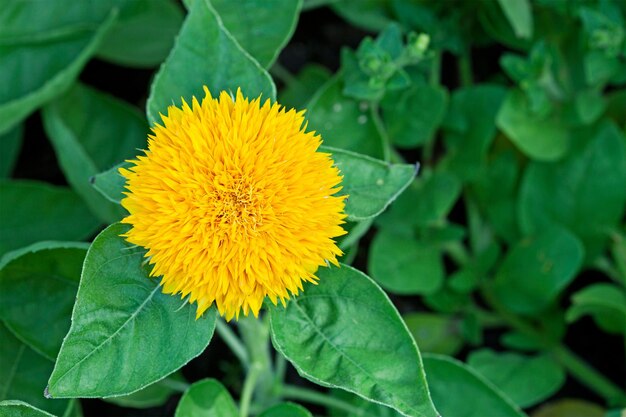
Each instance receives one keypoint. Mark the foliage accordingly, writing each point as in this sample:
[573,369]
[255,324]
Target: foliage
[483,149]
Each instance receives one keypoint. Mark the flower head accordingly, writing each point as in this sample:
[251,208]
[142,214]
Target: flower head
[233,203]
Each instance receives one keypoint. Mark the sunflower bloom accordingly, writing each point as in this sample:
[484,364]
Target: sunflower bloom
[233,203]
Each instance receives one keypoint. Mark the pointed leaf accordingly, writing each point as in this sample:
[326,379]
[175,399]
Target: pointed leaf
[12,408]
[206,398]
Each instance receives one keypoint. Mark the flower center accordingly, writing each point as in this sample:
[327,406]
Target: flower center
[237,204]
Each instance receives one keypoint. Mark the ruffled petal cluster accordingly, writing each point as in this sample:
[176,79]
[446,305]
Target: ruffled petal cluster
[234,203]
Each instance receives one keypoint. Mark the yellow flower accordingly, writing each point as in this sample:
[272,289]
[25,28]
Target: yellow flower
[233,203]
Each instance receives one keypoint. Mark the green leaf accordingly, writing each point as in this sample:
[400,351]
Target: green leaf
[412,116]
[361,407]
[345,333]
[153,395]
[301,88]
[143,34]
[606,303]
[569,407]
[125,334]
[454,386]
[584,192]
[470,127]
[537,269]
[371,184]
[435,333]
[206,397]
[371,15]
[59,55]
[404,265]
[49,273]
[536,378]
[45,212]
[540,137]
[12,408]
[286,410]
[23,374]
[91,131]
[343,122]
[10,144]
[262,28]
[111,183]
[519,15]
[206,54]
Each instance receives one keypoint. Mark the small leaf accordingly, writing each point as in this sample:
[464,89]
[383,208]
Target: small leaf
[143,34]
[206,397]
[111,183]
[286,410]
[537,269]
[91,131]
[45,212]
[125,334]
[300,90]
[404,265]
[435,333]
[539,137]
[262,28]
[345,333]
[64,57]
[12,408]
[23,374]
[454,385]
[343,122]
[584,192]
[10,144]
[206,53]
[49,273]
[536,378]
[371,184]
[606,303]
[519,15]
[413,115]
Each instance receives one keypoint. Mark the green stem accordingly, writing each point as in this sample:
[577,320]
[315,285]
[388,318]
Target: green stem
[575,365]
[175,384]
[465,69]
[232,341]
[382,132]
[248,388]
[435,69]
[314,397]
[283,74]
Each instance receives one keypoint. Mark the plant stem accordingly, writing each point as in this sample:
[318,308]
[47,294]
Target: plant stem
[465,69]
[382,132]
[575,365]
[174,384]
[435,69]
[248,388]
[314,397]
[230,338]
[283,74]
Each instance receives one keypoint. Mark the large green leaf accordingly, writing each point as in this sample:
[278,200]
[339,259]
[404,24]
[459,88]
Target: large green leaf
[404,265]
[343,122]
[584,191]
[49,273]
[544,138]
[261,27]
[606,303]
[23,374]
[153,395]
[33,211]
[535,378]
[519,15]
[371,184]
[205,53]
[12,408]
[125,333]
[37,65]
[286,410]
[10,144]
[459,391]
[206,398]
[345,333]
[537,269]
[143,34]
[90,132]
